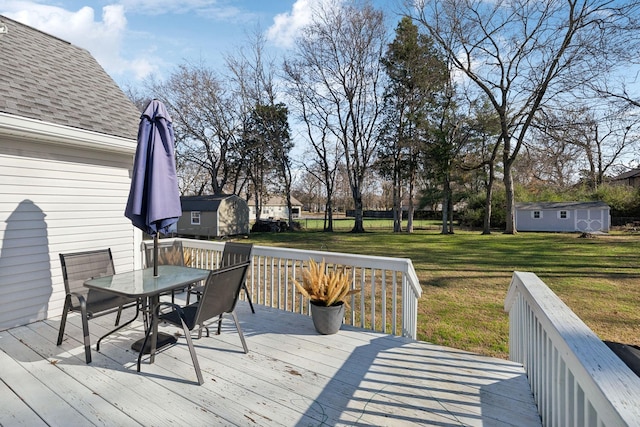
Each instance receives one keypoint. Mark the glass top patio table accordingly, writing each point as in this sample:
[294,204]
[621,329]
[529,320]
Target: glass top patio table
[142,283]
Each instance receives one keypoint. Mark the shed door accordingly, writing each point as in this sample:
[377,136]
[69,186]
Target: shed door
[588,220]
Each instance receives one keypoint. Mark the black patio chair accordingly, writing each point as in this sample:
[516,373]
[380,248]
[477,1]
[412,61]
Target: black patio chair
[219,296]
[169,253]
[233,253]
[76,269]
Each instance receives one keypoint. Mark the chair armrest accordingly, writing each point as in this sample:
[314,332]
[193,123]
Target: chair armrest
[81,299]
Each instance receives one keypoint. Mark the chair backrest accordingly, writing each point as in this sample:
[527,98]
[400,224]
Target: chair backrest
[235,253]
[221,291]
[79,267]
[169,253]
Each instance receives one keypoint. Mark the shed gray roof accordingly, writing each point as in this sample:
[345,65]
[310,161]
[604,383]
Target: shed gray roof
[561,205]
[45,78]
[629,174]
[209,203]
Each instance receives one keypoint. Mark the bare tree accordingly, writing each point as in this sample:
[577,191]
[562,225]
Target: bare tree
[522,53]
[205,122]
[325,149]
[137,95]
[339,56]
[252,73]
[308,189]
[596,140]
[548,162]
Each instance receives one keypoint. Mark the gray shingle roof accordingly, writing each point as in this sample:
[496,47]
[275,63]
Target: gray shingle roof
[629,174]
[207,203]
[560,205]
[45,78]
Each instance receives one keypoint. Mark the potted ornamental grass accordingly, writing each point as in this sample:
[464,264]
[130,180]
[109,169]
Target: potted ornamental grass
[327,291]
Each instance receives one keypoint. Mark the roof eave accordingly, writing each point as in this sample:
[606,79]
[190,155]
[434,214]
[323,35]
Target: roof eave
[23,127]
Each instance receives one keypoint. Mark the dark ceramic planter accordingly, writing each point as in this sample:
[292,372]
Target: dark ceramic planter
[327,320]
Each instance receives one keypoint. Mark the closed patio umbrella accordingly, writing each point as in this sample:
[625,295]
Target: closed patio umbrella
[154,200]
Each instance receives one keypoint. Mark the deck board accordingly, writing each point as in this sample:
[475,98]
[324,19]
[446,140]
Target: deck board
[292,376]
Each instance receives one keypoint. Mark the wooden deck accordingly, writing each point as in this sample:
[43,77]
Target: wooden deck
[292,376]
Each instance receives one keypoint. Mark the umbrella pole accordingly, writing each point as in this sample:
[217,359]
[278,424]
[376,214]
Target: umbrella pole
[155,255]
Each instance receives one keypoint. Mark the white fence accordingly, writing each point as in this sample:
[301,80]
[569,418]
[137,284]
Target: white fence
[575,378]
[387,303]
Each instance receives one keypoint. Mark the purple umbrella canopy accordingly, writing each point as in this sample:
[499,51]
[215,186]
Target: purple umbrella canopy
[154,199]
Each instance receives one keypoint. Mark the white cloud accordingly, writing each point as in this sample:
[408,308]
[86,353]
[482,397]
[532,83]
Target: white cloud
[103,38]
[286,26]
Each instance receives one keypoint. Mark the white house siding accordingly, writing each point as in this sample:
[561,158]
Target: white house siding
[270,211]
[275,207]
[57,198]
[548,221]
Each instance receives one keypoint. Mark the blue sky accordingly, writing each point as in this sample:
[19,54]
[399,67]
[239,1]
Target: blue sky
[133,39]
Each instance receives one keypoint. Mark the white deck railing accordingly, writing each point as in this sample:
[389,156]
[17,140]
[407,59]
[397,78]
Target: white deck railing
[575,378]
[387,303]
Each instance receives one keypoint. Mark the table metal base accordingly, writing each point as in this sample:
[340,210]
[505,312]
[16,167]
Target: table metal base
[163,340]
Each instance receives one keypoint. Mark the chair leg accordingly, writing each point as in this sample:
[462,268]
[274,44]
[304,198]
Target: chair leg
[246,292]
[244,343]
[85,330]
[206,328]
[192,350]
[63,321]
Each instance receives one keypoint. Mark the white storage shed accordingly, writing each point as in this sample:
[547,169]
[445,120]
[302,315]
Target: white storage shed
[586,217]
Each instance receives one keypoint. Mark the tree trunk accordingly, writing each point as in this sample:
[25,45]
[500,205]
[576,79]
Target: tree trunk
[488,201]
[397,203]
[290,211]
[510,198]
[450,214]
[411,208]
[397,219]
[328,216]
[445,205]
[328,225]
[257,204]
[358,226]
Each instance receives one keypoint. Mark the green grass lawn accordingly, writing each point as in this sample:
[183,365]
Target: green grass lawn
[465,277]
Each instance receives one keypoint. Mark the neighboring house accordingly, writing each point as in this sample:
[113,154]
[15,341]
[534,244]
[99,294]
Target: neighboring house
[563,216]
[213,216]
[67,141]
[630,178]
[275,207]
